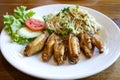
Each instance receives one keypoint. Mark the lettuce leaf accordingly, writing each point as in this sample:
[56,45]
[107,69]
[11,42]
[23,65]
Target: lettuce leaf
[14,22]
[21,14]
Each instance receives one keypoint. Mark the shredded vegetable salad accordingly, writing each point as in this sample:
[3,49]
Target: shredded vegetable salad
[71,20]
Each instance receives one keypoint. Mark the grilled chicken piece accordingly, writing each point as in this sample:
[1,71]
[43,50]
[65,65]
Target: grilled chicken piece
[85,45]
[87,41]
[59,52]
[48,50]
[87,52]
[74,49]
[96,42]
[36,45]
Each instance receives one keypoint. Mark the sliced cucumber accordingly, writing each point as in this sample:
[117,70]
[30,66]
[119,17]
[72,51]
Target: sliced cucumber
[25,32]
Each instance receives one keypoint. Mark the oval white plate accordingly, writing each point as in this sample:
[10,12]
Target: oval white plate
[110,35]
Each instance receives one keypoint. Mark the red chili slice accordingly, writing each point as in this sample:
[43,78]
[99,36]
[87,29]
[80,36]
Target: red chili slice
[34,24]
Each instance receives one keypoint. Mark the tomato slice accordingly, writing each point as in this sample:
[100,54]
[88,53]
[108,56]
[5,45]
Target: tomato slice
[34,24]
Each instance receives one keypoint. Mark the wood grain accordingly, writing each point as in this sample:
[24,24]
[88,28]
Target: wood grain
[111,8]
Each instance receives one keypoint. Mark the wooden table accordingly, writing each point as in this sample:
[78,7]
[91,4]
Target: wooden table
[110,8]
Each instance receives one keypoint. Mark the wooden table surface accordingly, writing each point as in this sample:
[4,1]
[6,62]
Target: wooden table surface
[111,8]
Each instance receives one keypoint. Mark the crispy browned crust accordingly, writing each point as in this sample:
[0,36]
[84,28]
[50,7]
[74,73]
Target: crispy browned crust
[48,50]
[86,45]
[87,41]
[59,52]
[74,49]
[96,42]
[36,45]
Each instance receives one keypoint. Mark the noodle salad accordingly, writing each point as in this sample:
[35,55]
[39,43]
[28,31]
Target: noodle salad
[71,20]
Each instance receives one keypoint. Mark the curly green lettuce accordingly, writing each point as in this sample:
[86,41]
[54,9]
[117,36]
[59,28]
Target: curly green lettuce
[14,22]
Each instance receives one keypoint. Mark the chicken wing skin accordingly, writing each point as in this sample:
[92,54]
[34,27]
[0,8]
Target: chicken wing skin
[74,49]
[48,50]
[87,41]
[96,42]
[59,52]
[86,45]
[87,52]
[36,45]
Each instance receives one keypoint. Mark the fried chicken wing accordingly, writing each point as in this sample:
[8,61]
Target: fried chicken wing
[36,45]
[48,50]
[59,52]
[96,42]
[74,49]
[87,41]
[86,45]
[87,52]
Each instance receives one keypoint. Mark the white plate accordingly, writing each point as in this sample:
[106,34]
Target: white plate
[110,35]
